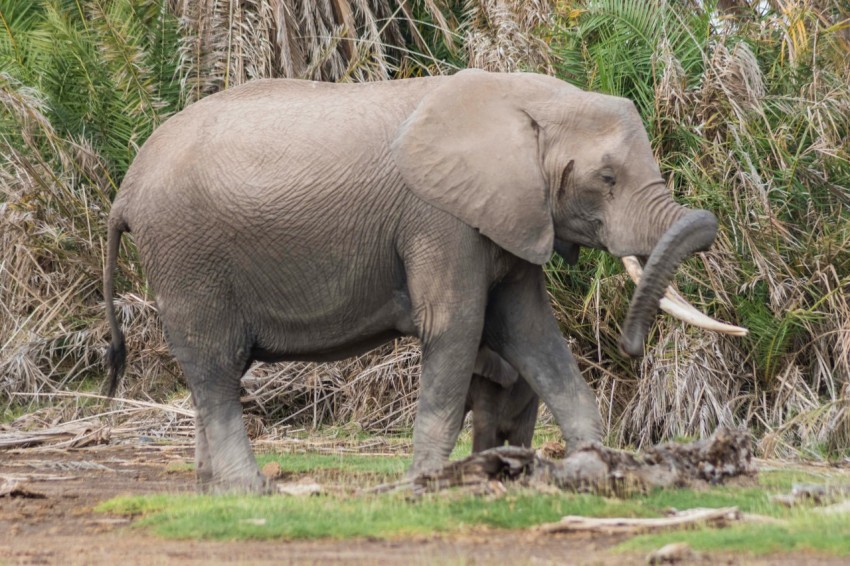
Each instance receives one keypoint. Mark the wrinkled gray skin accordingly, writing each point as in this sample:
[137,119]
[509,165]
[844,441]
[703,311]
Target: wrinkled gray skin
[296,220]
[504,407]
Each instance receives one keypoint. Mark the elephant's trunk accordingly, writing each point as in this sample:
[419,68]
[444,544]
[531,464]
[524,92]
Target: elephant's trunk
[692,233]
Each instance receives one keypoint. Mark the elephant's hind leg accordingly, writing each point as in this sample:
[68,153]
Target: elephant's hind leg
[223,455]
[213,366]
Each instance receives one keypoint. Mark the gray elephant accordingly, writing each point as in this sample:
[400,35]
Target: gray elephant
[504,406]
[297,220]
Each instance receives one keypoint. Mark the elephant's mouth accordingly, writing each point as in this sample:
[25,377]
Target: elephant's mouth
[678,307]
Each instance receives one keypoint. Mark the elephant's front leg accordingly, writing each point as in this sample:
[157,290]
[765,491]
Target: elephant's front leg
[521,327]
[448,357]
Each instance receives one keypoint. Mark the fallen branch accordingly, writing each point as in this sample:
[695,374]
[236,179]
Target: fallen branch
[72,435]
[135,403]
[812,494]
[25,478]
[597,469]
[15,488]
[620,525]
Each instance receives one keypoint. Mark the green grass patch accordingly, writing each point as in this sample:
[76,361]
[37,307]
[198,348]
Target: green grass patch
[340,513]
[10,413]
[352,467]
[384,516]
[802,530]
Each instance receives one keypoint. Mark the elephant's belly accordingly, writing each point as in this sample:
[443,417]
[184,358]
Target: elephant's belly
[330,336]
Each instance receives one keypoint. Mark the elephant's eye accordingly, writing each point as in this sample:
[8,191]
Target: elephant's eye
[609,179]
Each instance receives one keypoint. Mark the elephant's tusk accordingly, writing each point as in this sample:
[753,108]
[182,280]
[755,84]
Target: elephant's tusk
[676,306]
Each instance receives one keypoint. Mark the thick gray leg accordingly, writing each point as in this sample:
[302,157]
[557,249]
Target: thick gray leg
[521,327]
[522,429]
[448,275]
[223,456]
[486,406]
[203,462]
[447,365]
[448,313]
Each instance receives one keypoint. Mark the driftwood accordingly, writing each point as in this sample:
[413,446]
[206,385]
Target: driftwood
[812,494]
[629,525]
[595,468]
[10,487]
[300,489]
[71,435]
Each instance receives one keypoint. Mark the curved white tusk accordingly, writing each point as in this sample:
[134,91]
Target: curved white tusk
[676,306]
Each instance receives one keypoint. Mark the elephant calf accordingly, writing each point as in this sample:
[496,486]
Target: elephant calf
[504,406]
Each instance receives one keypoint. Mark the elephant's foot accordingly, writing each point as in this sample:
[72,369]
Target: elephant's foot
[423,465]
[256,484]
[203,470]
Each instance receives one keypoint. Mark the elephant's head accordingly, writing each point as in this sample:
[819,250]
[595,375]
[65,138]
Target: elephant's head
[535,163]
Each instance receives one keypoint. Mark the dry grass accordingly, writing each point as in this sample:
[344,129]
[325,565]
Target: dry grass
[228,42]
[377,391]
[499,35]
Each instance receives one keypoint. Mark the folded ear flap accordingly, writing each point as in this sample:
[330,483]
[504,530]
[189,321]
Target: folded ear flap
[471,150]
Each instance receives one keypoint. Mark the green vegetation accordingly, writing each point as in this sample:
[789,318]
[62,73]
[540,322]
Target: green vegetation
[351,466]
[343,513]
[802,531]
[802,528]
[748,110]
[230,517]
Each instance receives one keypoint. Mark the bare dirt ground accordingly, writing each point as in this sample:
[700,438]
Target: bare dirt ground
[59,526]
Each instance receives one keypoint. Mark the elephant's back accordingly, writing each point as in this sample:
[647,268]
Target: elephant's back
[254,144]
[287,119]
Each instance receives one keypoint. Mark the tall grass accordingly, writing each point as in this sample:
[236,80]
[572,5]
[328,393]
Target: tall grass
[748,111]
[749,119]
[82,85]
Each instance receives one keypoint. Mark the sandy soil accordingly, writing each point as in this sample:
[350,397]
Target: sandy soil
[60,527]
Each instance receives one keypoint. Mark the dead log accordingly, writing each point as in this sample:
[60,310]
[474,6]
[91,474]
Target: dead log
[597,469]
[71,435]
[812,494]
[631,525]
[14,488]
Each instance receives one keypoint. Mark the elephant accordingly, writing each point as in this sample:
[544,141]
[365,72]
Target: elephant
[304,221]
[504,406]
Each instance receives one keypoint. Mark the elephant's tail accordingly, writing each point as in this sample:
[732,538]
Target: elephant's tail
[116,354]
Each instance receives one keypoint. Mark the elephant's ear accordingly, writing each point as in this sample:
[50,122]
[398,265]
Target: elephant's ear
[471,150]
